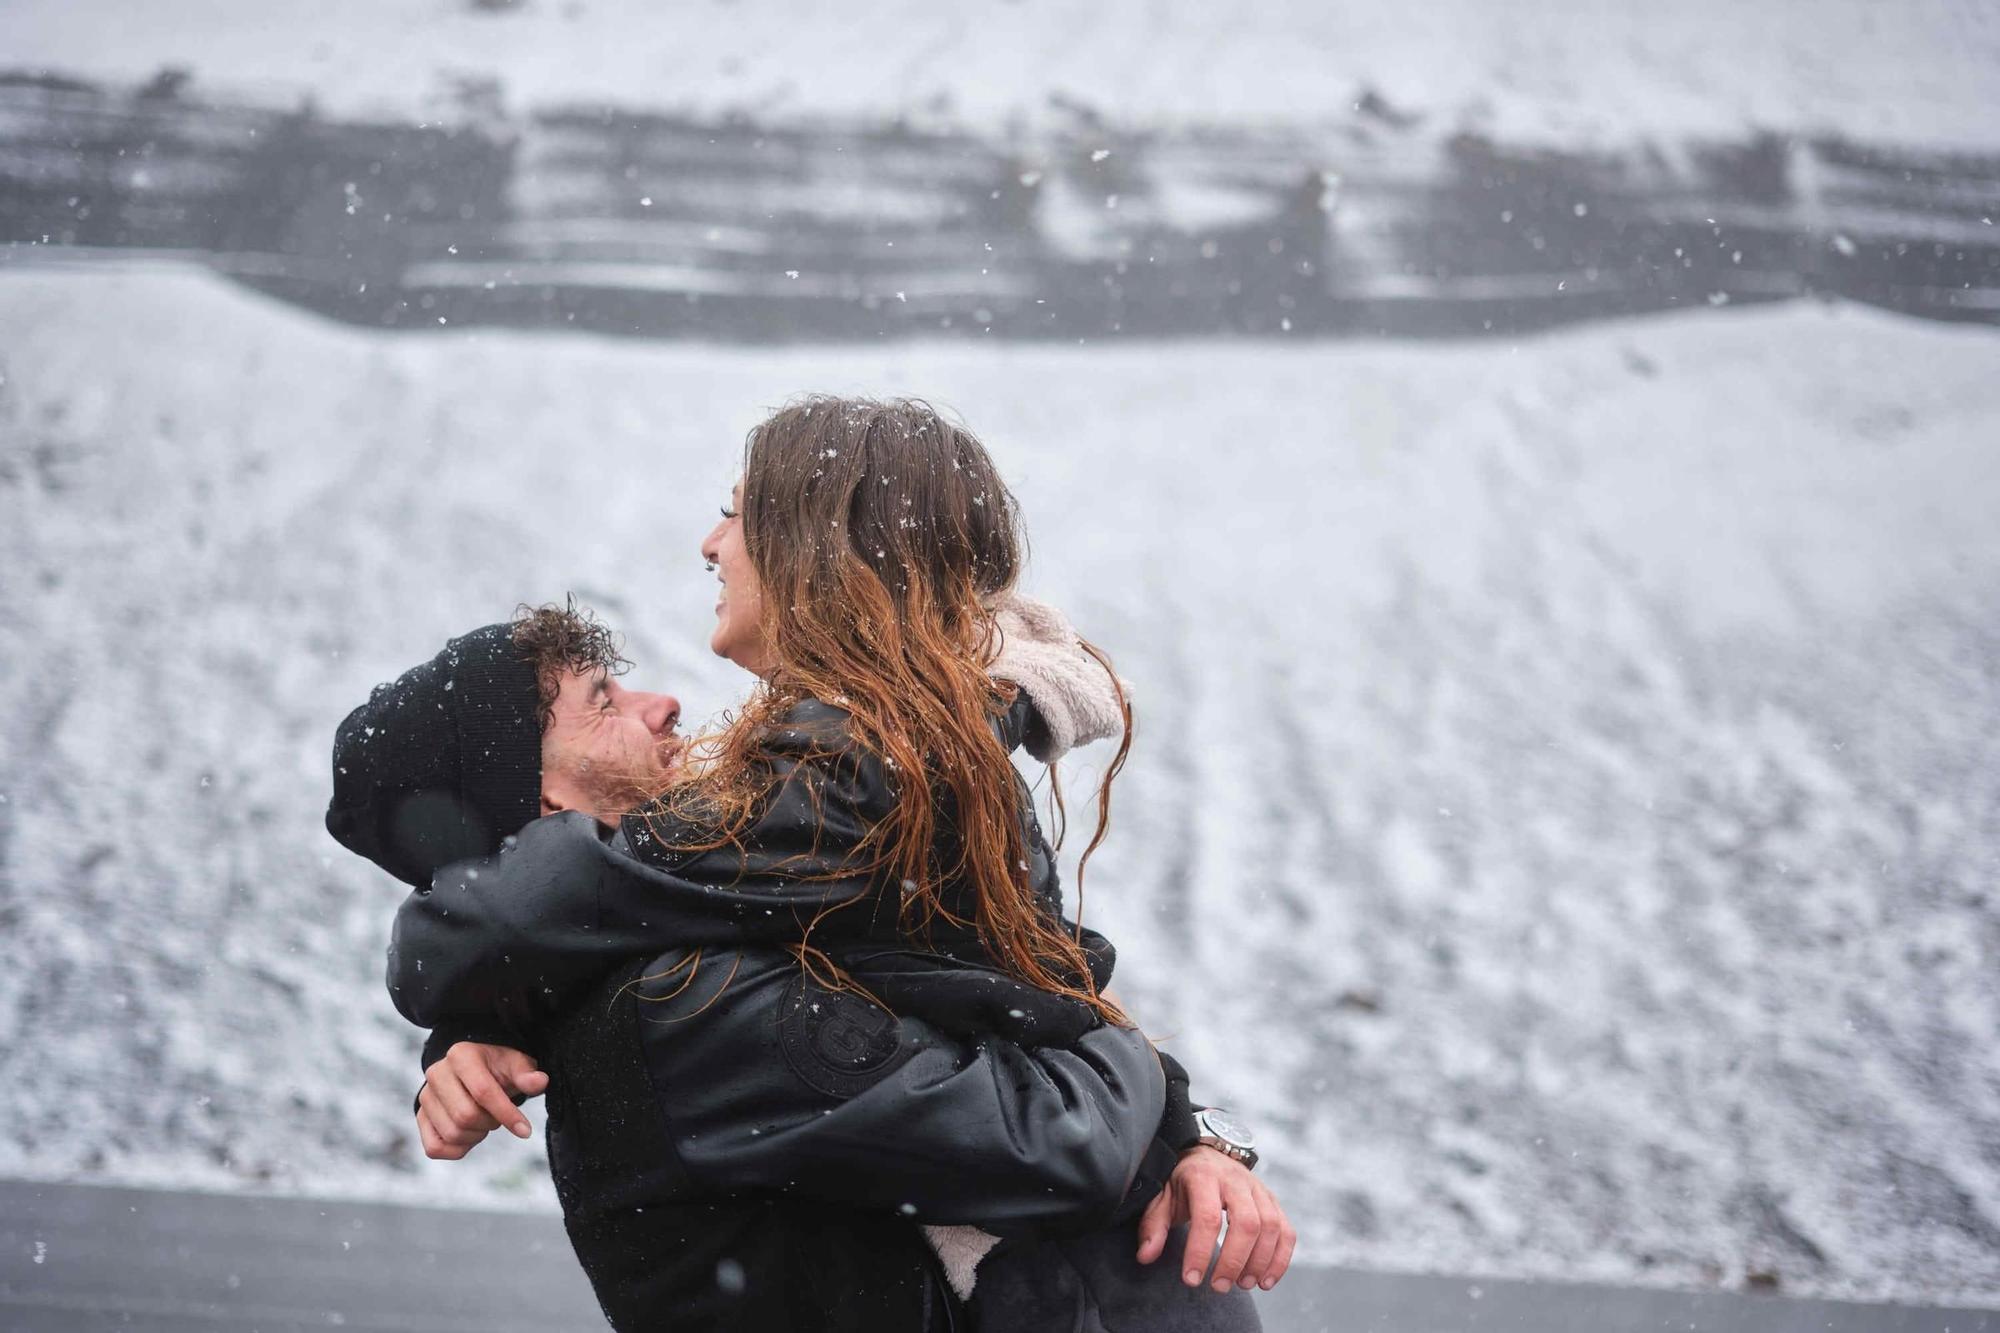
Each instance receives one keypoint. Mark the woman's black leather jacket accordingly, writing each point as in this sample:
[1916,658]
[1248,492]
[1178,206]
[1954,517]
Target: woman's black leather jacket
[979,1100]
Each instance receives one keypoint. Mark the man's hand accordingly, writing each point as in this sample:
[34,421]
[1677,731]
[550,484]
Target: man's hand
[1205,1185]
[468,1094]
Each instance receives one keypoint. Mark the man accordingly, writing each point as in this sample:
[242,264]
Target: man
[669,1198]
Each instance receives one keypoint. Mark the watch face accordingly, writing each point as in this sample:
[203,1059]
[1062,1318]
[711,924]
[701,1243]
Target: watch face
[1226,1126]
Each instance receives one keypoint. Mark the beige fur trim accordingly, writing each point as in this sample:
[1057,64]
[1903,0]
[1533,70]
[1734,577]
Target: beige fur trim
[1073,694]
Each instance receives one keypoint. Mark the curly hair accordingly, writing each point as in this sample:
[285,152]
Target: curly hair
[557,640]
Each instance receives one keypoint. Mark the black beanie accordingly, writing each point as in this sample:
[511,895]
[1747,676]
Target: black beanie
[443,762]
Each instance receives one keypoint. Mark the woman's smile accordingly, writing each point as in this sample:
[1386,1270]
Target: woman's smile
[738,633]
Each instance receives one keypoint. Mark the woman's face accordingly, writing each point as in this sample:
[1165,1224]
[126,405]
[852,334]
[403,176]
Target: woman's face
[739,609]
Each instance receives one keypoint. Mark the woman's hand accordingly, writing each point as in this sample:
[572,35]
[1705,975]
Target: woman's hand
[1204,1186]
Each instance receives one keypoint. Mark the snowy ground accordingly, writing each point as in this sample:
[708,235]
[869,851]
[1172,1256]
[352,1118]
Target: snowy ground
[1566,71]
[1563,820]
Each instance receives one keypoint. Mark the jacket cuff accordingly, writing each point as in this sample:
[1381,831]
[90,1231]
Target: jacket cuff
[442,1039]
[1178,1129]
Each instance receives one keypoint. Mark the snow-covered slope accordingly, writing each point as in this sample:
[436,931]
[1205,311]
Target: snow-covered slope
[1562,821]
[1571,71]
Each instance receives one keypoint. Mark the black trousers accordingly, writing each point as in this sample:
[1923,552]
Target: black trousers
[1093,1284]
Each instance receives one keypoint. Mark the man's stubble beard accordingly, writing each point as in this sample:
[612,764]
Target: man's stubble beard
[616,790]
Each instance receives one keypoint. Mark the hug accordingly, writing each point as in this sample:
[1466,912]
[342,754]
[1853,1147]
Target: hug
[822,1045]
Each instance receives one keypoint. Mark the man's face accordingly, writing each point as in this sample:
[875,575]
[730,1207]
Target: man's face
[607,748]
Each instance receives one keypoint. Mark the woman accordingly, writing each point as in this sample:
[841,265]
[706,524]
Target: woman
[859,560]
[863,561]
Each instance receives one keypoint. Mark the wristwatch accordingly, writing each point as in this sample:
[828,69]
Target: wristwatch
[1225,1133]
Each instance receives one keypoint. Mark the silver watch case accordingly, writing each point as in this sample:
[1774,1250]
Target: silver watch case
[1225,1133]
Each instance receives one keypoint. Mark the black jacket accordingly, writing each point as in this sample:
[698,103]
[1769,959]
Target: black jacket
[985,1101]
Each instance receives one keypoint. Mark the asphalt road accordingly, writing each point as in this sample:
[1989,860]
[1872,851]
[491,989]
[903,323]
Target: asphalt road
[80,1257]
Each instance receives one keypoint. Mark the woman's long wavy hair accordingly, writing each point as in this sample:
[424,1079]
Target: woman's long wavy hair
[880,532]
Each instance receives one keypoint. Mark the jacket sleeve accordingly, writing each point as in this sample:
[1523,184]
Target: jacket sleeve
[839,1100]
[505,943]
[494,945]
[492,1033]
[1178,1129]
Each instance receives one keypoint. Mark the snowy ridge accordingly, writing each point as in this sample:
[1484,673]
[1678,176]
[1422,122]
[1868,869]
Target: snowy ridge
[1562,818]
[1548,71]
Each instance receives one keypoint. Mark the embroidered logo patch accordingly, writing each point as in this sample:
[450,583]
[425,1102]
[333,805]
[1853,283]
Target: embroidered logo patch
[837,1042]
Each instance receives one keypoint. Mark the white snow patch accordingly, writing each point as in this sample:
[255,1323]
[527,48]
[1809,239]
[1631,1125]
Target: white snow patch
[1920,71]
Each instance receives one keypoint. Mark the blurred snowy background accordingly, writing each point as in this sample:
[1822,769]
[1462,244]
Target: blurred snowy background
[1566,812]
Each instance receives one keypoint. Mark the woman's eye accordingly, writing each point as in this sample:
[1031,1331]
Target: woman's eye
[727,512]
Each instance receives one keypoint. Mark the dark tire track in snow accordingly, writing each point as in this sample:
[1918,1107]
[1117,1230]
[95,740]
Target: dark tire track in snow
[630,222]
